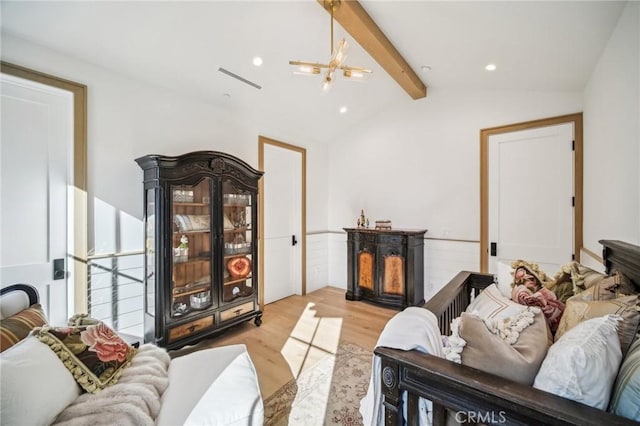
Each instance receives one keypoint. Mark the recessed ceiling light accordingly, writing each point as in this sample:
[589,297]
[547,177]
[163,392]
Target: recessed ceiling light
[257,61]
[343,110]
[425,68]
[490,67]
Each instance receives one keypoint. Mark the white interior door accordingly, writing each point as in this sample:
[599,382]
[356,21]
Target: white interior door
[531,188]
[36,141]
[282,223]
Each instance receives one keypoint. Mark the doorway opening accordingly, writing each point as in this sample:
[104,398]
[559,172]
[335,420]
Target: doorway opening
[76,193]
[486,134]
[283,210]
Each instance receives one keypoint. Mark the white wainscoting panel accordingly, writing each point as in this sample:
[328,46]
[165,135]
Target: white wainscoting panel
[338,259]
[317,261]
[590,262]
[443,259]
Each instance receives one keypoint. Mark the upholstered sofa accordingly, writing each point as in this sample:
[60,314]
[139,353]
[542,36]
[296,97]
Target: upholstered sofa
[488,390]
[42,383]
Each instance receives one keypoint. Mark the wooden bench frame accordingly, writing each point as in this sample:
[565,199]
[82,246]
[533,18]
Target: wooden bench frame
[474,396]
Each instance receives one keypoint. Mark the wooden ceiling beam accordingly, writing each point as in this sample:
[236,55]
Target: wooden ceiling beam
[357,22]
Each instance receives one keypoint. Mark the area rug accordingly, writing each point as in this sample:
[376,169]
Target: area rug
[328,393]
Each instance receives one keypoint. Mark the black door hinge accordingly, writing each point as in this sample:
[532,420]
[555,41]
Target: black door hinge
[573,201]
[573,145]
[573,256]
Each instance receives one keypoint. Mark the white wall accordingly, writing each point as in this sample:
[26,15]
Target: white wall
[129,118]
[418,164]
[317,261]
[612,138]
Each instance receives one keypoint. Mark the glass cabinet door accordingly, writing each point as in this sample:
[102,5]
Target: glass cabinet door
[237,242]
[191,288]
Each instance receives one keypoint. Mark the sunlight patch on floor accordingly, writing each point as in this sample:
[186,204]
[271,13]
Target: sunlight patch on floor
[312,342]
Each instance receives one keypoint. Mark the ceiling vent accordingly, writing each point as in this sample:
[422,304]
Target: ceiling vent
[237,77]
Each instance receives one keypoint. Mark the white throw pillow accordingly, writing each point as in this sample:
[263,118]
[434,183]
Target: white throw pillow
[12,303]
[583,364]
[36,386]
[490,303]
[504,278]
[204,388]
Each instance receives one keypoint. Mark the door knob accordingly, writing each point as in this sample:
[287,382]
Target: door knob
[293,240]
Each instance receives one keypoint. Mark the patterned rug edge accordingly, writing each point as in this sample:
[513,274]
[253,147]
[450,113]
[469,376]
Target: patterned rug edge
[349,382]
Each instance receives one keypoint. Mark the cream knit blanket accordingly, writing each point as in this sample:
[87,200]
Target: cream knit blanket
[134,400]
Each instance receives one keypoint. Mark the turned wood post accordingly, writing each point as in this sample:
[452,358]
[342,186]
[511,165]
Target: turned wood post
[391,392]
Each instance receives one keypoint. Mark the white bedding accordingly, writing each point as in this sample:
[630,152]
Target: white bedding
[215,386]
[413,328]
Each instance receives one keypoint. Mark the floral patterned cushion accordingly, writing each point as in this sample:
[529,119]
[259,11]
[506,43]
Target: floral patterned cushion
[543,298]
[18,326]
[94,354]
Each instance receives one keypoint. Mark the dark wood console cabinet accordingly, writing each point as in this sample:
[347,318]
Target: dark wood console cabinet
[386,266]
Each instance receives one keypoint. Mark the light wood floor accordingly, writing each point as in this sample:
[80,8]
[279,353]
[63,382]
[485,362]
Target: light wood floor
[323,317]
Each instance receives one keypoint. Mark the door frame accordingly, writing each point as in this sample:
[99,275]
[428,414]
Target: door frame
[79,195]
[262,141]
[576,119]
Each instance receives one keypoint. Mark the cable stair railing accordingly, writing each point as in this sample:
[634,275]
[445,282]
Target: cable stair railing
[115,290]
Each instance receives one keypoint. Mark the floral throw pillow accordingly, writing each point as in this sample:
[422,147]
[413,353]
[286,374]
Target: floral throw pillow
[544,298]
[94,354]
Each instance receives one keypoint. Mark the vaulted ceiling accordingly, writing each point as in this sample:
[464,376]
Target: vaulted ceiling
[551,45]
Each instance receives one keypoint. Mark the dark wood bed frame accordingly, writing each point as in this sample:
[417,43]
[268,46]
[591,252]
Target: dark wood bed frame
[478,395]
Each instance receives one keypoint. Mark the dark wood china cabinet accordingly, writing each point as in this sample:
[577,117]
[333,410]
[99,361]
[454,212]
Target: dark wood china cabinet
[201,252]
